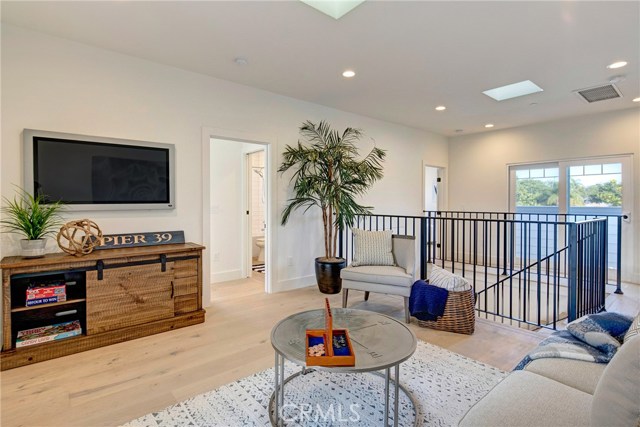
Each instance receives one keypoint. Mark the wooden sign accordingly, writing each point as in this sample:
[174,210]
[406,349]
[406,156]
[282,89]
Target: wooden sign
[113,241]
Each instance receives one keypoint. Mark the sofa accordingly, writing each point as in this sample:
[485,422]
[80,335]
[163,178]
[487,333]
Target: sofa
[566,392]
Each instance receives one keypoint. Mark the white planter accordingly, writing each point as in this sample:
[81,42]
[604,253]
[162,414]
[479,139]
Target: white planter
[33,248]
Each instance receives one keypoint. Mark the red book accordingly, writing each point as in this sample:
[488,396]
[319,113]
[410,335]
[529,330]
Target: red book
[46,291]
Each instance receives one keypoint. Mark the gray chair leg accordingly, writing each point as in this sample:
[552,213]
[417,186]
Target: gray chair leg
[407,316]
[345,295]
[366,295]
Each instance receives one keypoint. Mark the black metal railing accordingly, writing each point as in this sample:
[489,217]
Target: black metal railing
[519,299]
[587,269]
[520,267]
[546,221]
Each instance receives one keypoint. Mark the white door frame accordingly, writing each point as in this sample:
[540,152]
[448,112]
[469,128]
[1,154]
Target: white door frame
[247,216]
[269,142]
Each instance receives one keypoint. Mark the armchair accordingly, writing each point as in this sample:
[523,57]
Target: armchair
[391,280]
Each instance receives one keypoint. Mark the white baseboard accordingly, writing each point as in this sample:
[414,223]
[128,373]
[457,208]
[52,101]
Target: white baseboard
[295,283]
[223,276]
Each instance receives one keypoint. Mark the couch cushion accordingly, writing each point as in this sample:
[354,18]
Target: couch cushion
[527,399]
[578,374]
[616,401]
[372,247]
[384,275]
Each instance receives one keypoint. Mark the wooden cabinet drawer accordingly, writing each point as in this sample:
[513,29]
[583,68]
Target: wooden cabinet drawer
[186,303]
[128,296]
[185,286]
[185,268]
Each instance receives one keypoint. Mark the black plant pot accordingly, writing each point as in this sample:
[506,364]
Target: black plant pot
[328,274]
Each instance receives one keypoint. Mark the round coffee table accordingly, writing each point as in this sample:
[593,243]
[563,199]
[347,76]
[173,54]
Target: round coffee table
[379,342]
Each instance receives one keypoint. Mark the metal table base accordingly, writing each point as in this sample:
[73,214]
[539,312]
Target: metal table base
[276,402]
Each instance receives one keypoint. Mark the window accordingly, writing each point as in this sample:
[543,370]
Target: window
[595,186]
[536,187]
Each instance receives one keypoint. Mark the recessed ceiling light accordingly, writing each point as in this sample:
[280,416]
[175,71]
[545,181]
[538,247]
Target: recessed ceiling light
[618,64]
[441,108]
[489,125]
[348,73]
[240,60]
[636,99]
[513,90]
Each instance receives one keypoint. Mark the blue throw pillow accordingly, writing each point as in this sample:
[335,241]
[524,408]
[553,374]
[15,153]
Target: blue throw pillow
[603,331]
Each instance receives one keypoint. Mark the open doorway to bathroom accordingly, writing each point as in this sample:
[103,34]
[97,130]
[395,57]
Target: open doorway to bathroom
[238,212]
[256,209]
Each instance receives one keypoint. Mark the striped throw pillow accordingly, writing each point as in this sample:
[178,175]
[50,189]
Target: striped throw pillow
[633,330]
[372,248]
[444,279]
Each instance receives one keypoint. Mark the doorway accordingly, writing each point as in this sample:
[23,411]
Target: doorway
[432,194]
[577,190]
[433,188]
[238,214]
[255,202]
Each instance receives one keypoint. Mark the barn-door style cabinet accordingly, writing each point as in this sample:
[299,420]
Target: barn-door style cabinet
[60,304]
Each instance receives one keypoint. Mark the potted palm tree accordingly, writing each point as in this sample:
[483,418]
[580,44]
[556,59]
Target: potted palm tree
[329,173]
[34,218]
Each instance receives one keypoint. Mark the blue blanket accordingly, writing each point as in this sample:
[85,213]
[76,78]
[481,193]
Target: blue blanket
[427,302]
[592,338]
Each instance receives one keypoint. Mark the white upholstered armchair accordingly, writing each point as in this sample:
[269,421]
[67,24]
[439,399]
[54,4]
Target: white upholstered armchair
[384,279]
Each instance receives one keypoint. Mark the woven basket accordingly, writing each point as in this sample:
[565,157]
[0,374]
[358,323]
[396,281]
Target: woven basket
[459,314]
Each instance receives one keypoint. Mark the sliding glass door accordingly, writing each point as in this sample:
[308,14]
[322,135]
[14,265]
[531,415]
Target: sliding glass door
[579,189]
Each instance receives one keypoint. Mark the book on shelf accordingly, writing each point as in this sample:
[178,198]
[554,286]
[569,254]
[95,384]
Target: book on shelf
[48,333]
[46,300]
[47,290]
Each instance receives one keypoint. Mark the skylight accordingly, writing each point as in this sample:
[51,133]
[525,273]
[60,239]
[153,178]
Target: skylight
[514,90]
[334,8]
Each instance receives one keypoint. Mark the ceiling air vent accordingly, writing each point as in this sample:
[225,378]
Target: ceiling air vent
[599,93]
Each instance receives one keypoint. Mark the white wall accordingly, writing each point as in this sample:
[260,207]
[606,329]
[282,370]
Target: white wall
[226,208]
[53,84]
[478,164]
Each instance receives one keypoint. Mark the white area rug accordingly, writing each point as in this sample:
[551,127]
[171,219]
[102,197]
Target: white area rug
[444,385]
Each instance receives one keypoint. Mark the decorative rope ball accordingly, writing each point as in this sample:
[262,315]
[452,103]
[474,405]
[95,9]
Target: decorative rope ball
[79,237]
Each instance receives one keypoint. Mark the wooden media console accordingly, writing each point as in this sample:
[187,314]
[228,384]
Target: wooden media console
[115,294]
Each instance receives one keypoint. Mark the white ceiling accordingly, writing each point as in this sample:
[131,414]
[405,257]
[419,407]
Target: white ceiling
[409,56]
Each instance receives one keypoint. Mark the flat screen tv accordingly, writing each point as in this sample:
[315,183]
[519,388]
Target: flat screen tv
[94,173]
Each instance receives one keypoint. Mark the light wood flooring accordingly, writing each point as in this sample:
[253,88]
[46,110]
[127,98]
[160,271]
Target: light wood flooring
[115,384]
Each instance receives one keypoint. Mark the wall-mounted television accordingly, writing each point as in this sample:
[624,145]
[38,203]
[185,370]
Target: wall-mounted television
[94,173]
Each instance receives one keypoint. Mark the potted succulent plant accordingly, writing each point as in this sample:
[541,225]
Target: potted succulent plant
[329,173]
[34,218]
